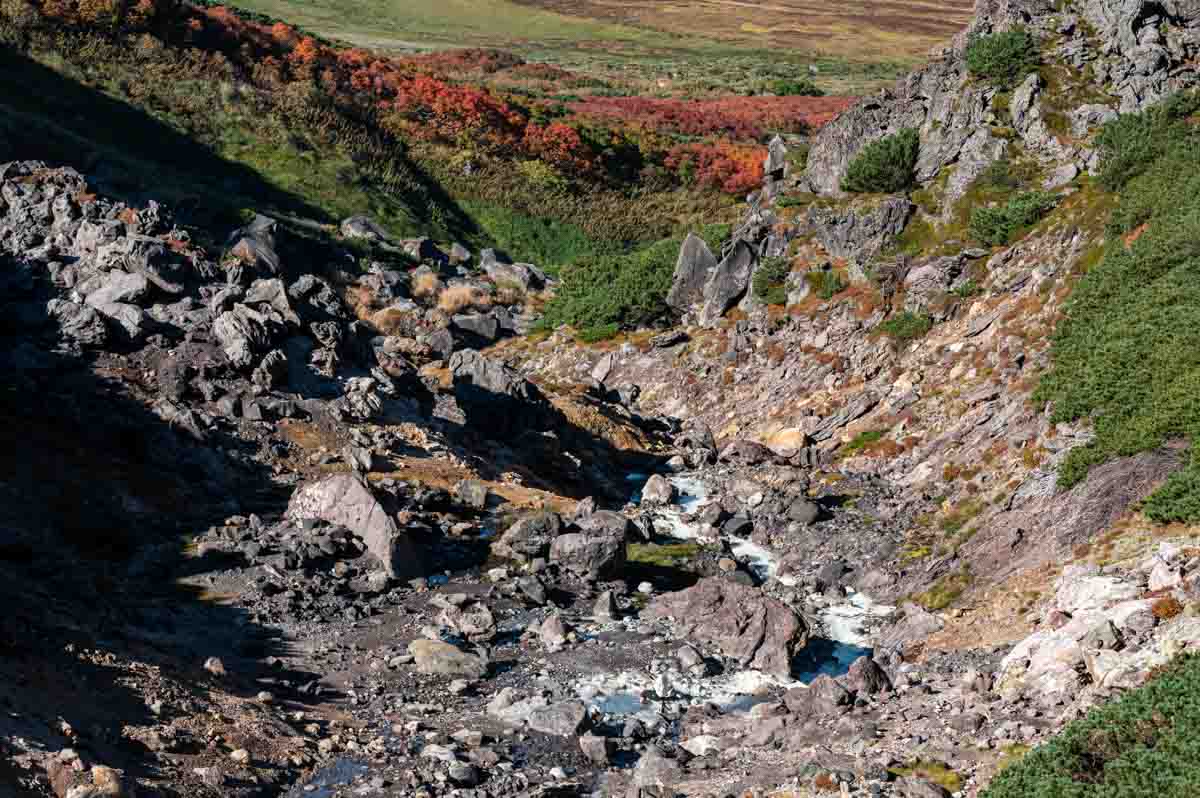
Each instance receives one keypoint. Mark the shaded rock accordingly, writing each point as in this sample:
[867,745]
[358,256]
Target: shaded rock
[861,230]
[728,283]
[693,269]
[529,537]
[865,677]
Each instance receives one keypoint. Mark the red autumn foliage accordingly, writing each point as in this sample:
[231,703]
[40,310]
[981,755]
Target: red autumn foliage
[739,118]
[560,146]
[416,99]
[723,165]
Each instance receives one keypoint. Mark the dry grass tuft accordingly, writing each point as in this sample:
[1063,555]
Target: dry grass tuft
[460,297]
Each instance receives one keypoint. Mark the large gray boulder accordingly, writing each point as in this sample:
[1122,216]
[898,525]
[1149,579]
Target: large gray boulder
[529,538]
[861,230]
[596,546]
[743,622]
[495,398]
[347,500]
[693,269]
[728,283]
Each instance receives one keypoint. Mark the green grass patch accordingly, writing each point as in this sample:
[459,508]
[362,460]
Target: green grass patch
[944,591]
[667,555]
[861,441]
[1146,744]
[999,226]
[620,290]
[826,284]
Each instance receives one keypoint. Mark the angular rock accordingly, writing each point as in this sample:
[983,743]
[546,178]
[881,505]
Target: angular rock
[658,491]
[347,500]
[743,622]
[693,269]
[727,284]
[860,231]
[529,538]
[437,657]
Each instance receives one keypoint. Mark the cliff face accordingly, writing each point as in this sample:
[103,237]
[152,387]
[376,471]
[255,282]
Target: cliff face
[1129,53]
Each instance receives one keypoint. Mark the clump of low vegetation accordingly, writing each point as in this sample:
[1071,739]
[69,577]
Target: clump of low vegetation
[602,294]
[944,591]
[770,280]
[1144,743]
[936,772]
[1000,225]
[1002,58]
[886,166]
[1124,356]
[795,88]
[1166,608]
[826,284]
[906,327]
[457,298]
[861,441]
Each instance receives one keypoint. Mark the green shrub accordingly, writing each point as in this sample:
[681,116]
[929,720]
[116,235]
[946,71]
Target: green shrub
[802,87]
[770,280]
[997,226]
[944,591]
[1146,744]
[1002,58]
[1126,354]
[907,326]
[861,441]
[1129,144]
[826,285]
[885,166]
[602,293]
[601,332]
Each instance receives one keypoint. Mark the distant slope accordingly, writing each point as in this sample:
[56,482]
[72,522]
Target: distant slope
[710,46]
[860,29]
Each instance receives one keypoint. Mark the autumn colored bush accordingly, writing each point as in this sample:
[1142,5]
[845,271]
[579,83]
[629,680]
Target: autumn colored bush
[721,165]
[457,298]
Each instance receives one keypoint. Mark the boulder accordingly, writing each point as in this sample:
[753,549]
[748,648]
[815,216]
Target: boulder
[823,696]
[597,550]
[120,287]
[743,622]
[443,659]
[728,283]
[658,491]
[564,719]
[497,399]
[865,677]
[529,538]
[347,500]
[521,275]
[363,228]
[482,326]
[693,268]
[254,246]
[82,324]
[472,493]
[243,333]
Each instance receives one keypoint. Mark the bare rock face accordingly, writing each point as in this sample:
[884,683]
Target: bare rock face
[347,500]
[728,283]
[742,621]
[861,230]
[695,265]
